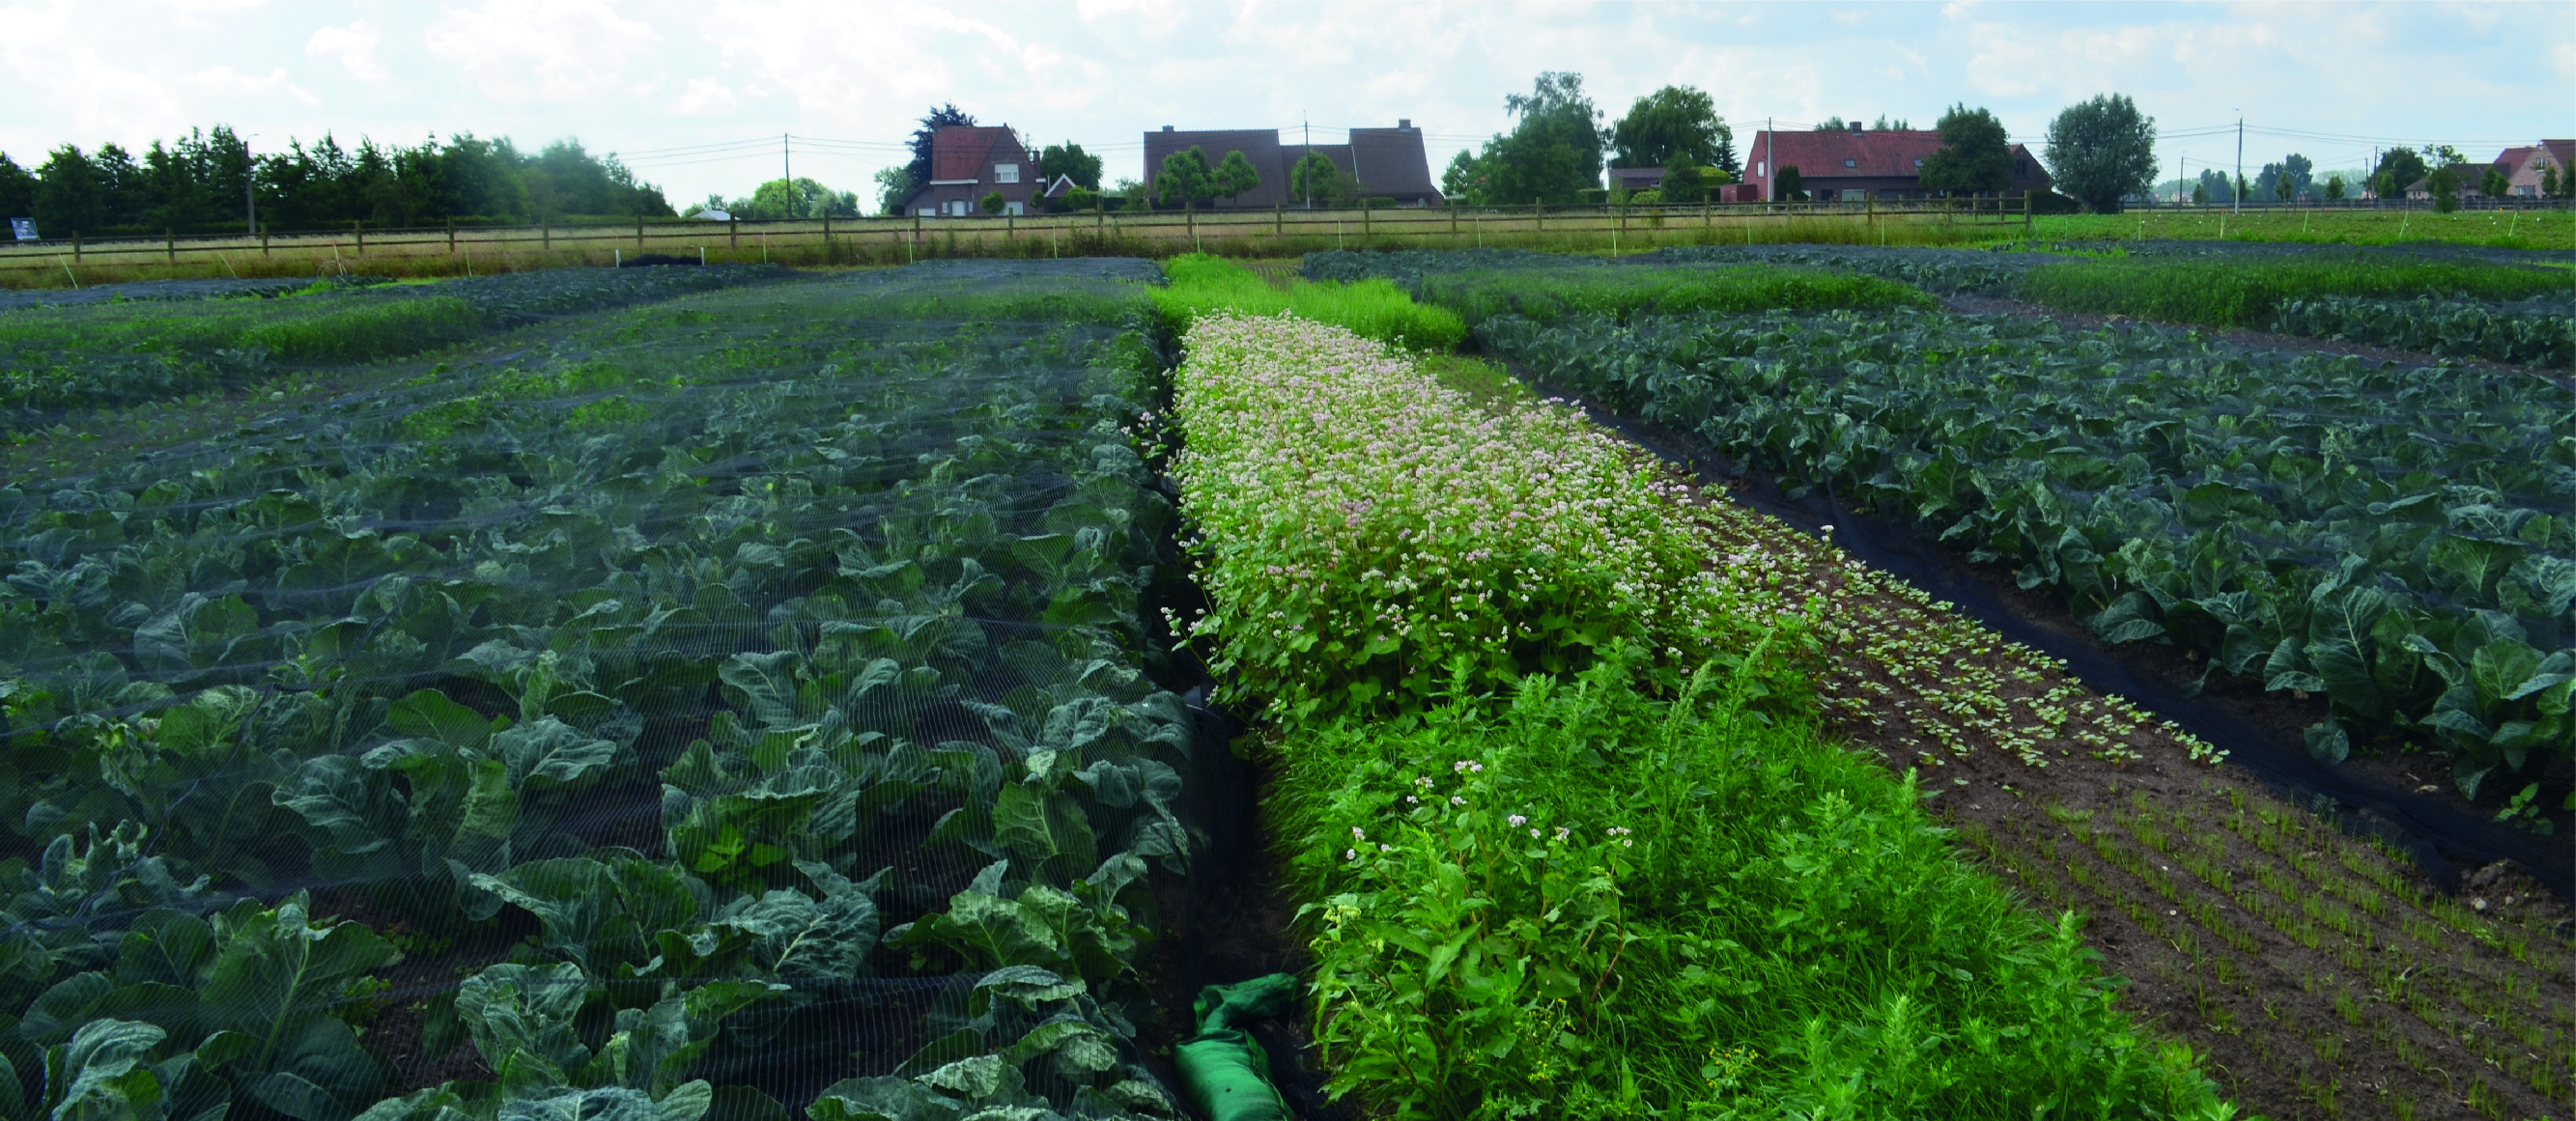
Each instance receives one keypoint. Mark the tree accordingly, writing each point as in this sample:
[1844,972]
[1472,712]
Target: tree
[1554,152]
[18,189]
[1315,180]
[1184,178]
[1786,187]
[804,198]
[1884,125]
[1684,183]
[992,202]
[1974,158]
[1831,124]
[2200,193]
[2334,188]
[1675,124]
[1234,175]
[2101,151]
[2550,184]
[894,184]
[2494,185]
[1463,182]
[2398,169]
[2445,185]
[1068,159]
[937,118]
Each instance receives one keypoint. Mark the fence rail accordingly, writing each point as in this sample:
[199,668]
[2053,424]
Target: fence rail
[686,235]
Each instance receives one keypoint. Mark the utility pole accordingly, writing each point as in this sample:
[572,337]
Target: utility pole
[1770,170]
[786,169]
[2179,161]
[1307,172]
[2239,190]
[250,201]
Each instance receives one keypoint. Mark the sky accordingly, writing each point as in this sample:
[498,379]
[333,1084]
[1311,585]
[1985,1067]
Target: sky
[696,96]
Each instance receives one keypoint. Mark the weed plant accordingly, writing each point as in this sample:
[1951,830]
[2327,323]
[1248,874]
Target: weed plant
[1371,309]
[1593,904]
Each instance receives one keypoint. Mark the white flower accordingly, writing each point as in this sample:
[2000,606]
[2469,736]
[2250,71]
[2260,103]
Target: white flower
[1350,854]
[1456,800]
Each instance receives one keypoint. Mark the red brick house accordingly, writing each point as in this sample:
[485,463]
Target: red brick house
[1853,165]
[968,162]
[2527,168]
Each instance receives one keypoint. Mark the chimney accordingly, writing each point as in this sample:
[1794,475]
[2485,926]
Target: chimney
[1167,128]
[1855,126]
[1404,122]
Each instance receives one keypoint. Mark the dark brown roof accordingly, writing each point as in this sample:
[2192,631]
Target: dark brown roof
[1382,161]
[961,151]
[1881,154]
[1390,161]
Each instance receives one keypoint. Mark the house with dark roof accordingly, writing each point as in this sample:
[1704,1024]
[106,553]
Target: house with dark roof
[968,162]
[1379,162]
[1850,165]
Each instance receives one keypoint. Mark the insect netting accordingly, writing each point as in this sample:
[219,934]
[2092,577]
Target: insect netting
[733,707]
[183,341]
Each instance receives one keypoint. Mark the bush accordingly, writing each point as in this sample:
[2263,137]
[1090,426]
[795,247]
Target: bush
[2241,294]
[1592,196]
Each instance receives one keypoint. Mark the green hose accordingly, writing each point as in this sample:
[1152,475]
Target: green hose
[1222,1069]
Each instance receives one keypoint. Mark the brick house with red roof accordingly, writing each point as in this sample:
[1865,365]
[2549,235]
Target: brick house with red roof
[1851,165]
[968,162]
[2527,168]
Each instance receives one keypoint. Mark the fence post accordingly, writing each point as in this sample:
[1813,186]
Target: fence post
[639,231]
[362,237]
[733,232]
[1538,210]
[76,248]
[170,244]
[1453,221]
[451,237]
[263,239]
[2026,211]
[1365,212]
[1278,220]
[545,237]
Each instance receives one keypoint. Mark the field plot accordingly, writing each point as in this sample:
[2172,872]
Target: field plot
[736,706]
[1550,786]
[2305,520]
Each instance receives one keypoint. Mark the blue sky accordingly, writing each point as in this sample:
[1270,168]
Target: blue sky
[724,78]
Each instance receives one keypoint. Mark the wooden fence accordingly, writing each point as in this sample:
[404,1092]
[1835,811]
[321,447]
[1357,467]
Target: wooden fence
[880,239]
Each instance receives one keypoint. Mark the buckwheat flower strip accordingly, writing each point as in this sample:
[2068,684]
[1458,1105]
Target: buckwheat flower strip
[1368,538]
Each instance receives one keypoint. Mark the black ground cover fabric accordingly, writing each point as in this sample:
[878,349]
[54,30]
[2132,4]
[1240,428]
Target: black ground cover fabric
[740,705]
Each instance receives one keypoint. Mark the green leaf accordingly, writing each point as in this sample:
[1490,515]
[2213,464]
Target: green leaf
[96,1075]
[883,1098]
[509,1010]
[428,714]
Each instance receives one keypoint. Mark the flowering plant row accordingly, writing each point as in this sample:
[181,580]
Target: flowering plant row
[1369,537]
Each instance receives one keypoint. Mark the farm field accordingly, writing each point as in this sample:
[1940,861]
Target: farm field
[739,703]
[1957,384]
[731,693]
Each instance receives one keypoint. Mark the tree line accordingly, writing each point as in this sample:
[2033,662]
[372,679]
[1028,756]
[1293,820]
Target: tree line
[197,184]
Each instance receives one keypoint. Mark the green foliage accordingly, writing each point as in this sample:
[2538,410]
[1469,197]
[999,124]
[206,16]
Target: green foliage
[1373,309]
[1337,579]
[1673,126]
[2249,294]
[1069,160]
[804,198]
[894,185]
[1315,180]
[873,552]
[1233,176]
[992,202]
[2102,150]
[2399,168]
[1546,295]
[1551,154]
[1682,184]
[1786,186]
[2393,539]
[1185,178]
[1975,157]
[1591,904]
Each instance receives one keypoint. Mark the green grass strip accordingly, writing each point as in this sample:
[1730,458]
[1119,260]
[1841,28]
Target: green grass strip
[1371,309]
[2245,294]
[1594,904]
[1548,294]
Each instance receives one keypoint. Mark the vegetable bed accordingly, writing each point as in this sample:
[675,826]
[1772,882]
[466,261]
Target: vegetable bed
[1632,881]
[741,705]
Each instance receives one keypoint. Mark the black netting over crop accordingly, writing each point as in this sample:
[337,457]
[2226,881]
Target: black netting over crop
[734,706]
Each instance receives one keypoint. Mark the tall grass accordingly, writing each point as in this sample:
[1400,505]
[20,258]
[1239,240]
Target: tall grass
[1546,294]
[2250,294]
[367,331]
[1371,309]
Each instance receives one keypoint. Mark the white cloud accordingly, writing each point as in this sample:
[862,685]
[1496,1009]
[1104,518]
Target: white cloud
[704,97]
[559,51]
[354,46]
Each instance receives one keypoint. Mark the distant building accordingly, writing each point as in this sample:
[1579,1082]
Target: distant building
[968,162]
[1378,162]
[1849,165]
[2526,168]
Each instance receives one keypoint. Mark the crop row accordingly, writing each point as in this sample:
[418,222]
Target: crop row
[61,362]
[1585,885]
[2393,539]
[601,729]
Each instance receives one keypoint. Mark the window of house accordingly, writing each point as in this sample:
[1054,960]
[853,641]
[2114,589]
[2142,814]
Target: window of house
[1918,165]
[2022,168]
[1851,163]
[1006,173]
[1012,208]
